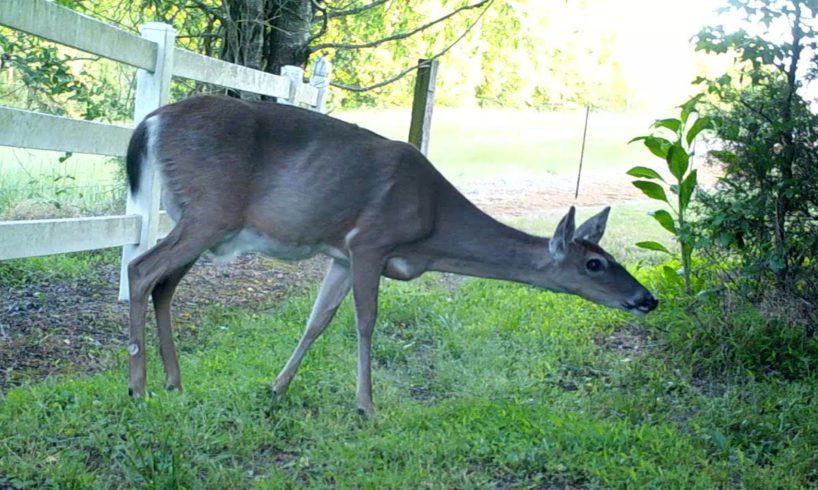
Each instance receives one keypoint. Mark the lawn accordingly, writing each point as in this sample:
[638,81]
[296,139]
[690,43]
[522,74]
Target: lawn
[481,385]
[466,144]
[469,143]
[478,384]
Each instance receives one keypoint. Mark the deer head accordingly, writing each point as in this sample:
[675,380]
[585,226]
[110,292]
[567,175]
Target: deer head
[580,266]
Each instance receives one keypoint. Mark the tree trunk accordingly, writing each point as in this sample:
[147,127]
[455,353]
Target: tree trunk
[243,32]
[286,42]
[266,34]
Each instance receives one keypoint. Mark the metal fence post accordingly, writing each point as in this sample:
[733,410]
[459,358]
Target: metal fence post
[422,105]
[319,78]
[152,91]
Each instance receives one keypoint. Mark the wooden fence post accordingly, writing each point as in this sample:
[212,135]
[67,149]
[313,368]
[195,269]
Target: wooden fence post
[422,105]
[152,91]
[319,78]
[296,76]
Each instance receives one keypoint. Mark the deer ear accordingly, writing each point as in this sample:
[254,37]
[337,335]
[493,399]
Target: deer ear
[562,236]
[593,229]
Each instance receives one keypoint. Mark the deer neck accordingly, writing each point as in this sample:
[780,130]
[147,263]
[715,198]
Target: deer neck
[468,241]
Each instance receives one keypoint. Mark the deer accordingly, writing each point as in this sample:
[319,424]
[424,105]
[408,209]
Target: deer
[256,176]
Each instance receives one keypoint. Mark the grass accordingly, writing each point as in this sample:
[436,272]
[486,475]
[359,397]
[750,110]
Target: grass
[73,266]
[478,384]
[471,143]
[36,182]
[485,385]
[628,223]
[465,144]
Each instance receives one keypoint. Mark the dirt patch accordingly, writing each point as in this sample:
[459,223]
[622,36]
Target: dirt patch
[629,341]
[527,195]
[50,326]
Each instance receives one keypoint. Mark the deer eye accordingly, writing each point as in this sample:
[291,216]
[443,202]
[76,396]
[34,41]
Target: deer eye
[594,265]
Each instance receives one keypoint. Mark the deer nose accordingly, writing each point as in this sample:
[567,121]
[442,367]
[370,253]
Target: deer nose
[647,302]
[644,303]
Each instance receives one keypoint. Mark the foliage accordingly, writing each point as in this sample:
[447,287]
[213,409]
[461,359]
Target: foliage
[41,76]
[677,153]
[764,209]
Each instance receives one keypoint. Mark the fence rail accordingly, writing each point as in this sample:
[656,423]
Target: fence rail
[26,129]
[158,60]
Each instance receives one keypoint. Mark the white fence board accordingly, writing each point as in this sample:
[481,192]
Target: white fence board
[27,129]
[32,238]
[62,25]
[210,70]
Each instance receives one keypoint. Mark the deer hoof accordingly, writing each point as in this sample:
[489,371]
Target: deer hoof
[135,393]
[367,412]
[279,388]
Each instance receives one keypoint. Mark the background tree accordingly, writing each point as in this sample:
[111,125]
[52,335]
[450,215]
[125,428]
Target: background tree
[512,54]
[766,205]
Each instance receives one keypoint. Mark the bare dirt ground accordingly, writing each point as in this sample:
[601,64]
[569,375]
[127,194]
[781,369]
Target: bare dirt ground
[50,326]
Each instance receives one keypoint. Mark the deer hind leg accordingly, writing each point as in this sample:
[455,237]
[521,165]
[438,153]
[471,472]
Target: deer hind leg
[335,287]
[181,247]
[162,296]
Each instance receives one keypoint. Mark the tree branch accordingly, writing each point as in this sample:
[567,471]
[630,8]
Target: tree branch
[354,11]
[323,18]
[401,35]
[405,72]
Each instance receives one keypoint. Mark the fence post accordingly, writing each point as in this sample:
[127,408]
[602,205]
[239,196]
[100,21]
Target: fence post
[296,76]
[152,91]
[422,105]
[319,78]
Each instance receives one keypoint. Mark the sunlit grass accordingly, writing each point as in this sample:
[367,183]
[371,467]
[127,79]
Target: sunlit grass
[484,385]
[470,143]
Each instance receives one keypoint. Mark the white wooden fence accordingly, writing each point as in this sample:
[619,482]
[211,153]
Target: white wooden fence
[157,60]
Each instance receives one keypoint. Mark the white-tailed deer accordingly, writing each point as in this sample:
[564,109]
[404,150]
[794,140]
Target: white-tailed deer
[257,176]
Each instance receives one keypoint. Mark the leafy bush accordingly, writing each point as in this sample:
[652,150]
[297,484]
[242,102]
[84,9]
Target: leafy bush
[764,209]
[728,336]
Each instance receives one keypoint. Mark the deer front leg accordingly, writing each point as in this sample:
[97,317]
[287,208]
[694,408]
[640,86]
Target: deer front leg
[366,274]
[333,290]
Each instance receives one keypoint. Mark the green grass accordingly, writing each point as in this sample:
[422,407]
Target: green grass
[485,385]
[472,143]
[478,385]
[466,144]
[628,223]
[79,266]
[36,182]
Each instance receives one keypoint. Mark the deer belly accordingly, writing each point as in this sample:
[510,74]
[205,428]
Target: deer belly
[401,269]
[251,240]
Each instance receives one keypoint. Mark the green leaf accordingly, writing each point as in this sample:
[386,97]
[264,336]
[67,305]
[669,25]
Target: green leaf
[671,275]
[671,124]
[725,156]
[677,161]
[665,219]
[700,125]
[689,107]
[650,245]
[651,189]
[644,173]
[658,146]
[686,189]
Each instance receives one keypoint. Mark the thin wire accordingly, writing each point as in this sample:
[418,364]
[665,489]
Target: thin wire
[582,152]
